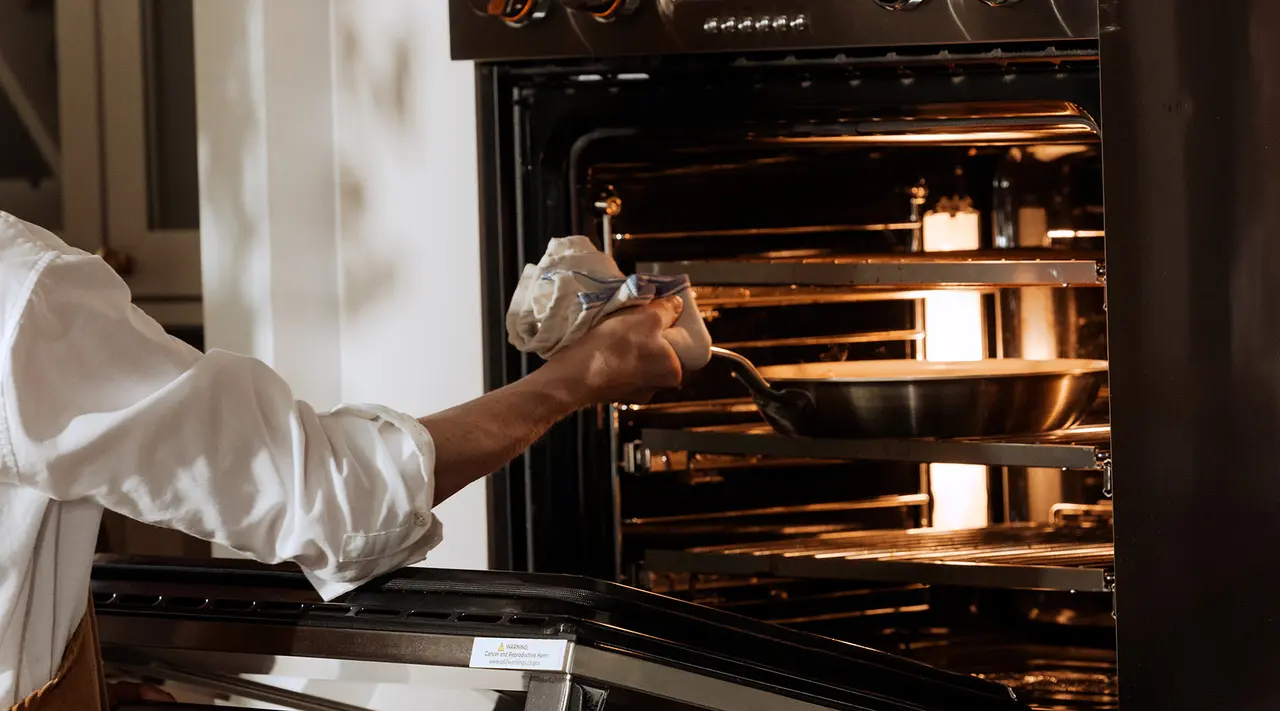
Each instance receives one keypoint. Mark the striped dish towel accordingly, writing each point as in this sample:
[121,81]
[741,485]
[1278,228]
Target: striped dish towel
[575,285]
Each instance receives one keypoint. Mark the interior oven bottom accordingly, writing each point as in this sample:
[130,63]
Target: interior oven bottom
[1055,649]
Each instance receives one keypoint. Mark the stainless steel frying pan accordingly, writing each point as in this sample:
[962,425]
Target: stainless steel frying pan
[907,398]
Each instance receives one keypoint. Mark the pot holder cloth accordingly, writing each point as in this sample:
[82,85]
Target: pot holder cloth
[575,286]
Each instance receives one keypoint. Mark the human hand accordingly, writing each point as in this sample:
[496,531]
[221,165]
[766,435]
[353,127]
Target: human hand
[625,357]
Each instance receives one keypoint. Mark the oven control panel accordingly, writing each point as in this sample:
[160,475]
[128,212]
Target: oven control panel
[505,30]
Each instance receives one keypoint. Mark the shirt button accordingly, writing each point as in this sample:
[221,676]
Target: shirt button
[421,519]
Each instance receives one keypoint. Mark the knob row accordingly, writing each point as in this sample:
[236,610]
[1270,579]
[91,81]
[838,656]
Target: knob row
[764,23]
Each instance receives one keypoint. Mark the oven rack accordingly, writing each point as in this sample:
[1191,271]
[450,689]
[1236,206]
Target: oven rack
[1084,447]
[772,520]
[714,297]
[1014,556]
[953,269]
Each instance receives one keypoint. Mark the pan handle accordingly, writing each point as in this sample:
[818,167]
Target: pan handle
[785,410]
[746,372]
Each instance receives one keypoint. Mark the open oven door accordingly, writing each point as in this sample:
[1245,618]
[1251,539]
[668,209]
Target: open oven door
[560,641]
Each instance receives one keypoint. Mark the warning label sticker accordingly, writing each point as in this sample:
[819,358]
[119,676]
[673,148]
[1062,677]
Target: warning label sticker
[532,654]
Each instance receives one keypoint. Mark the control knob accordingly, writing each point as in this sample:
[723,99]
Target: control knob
[602,10]
[515,13]
[899,4]
[1000,3]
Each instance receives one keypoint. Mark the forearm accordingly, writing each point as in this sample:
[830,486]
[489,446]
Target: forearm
[477,438]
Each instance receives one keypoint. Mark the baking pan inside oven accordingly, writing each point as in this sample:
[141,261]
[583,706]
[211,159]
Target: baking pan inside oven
[789,333]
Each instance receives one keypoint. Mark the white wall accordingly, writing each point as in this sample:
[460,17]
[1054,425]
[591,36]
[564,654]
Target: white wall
[410,246]
[339,218]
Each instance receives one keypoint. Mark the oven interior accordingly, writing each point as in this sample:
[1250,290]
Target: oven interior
[987,556]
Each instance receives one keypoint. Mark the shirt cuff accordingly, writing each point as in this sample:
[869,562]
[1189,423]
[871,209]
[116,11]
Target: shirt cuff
[417,551]
[366,556]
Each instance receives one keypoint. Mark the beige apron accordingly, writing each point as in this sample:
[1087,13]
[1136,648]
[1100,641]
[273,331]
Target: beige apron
[80,684]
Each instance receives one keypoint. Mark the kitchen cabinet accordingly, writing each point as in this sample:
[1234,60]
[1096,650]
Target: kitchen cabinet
[98,137]
[98,144]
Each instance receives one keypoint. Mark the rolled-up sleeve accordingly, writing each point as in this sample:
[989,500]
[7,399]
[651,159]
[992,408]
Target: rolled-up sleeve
[100,403]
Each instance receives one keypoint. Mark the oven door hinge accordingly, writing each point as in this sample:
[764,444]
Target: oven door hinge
[1108,483]
[1110,583]
[636,458]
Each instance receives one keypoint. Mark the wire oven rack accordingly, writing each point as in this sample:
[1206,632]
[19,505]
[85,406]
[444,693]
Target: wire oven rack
[1085,447]
[1018,556]
[955,269]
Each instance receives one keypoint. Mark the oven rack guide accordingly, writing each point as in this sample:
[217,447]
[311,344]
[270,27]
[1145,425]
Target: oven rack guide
[1084,447]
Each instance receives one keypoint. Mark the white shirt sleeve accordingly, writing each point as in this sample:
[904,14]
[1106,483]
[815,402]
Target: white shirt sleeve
[100,403]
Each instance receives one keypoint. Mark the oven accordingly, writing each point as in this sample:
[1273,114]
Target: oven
[842,181]
[847,182]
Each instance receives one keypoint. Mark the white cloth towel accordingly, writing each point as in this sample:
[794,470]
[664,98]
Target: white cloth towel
[575,286]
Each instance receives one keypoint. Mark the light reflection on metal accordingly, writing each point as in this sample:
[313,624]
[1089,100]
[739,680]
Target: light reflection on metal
[770,231]
[1076,234]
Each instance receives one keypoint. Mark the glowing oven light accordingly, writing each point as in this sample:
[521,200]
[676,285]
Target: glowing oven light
[1075,234]
[953,331]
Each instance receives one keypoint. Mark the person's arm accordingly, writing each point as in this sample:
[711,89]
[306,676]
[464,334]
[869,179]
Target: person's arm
[97,402]
[625,352]
[477,438]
